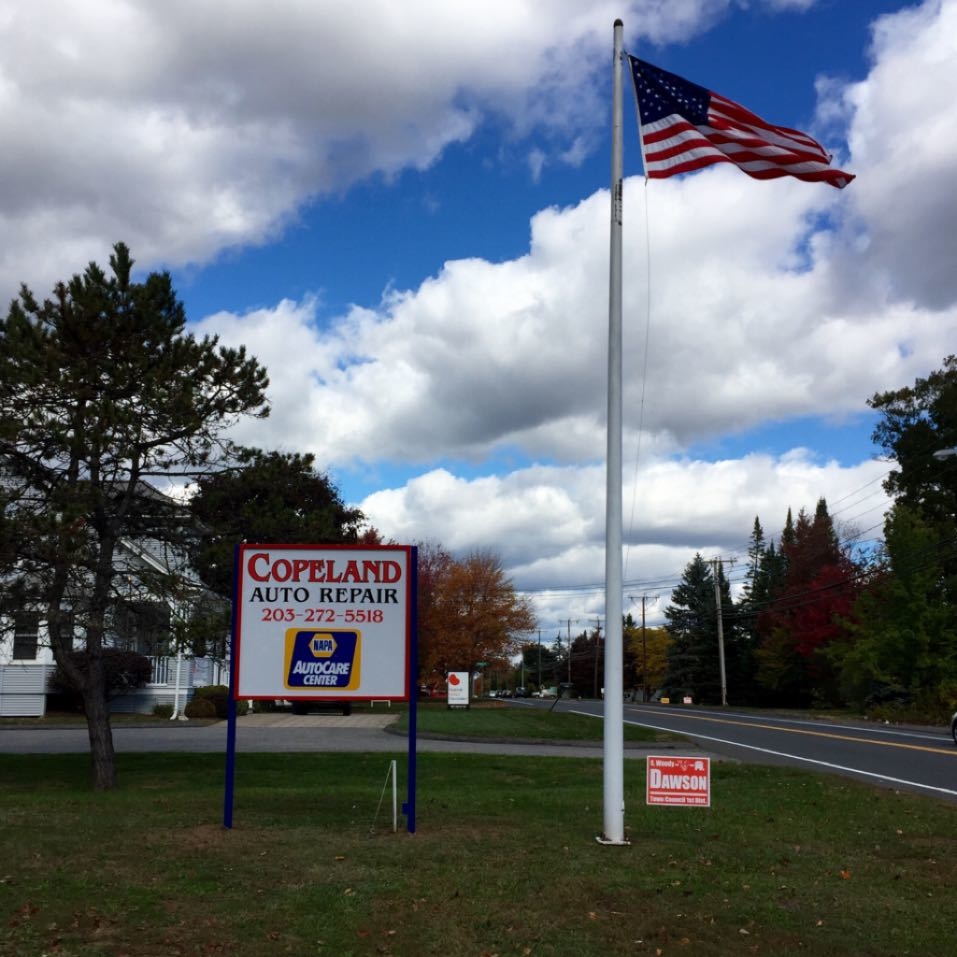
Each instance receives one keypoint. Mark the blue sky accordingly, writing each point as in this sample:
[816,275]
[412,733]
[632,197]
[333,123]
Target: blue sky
[405,218]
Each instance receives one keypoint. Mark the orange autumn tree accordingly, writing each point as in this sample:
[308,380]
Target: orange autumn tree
[469,612]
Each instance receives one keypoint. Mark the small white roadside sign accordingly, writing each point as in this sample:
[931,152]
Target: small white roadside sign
[458,685]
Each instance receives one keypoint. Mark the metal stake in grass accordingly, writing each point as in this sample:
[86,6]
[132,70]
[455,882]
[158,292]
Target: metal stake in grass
[391,773]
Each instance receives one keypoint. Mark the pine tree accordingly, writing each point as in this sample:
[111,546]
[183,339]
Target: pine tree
[693,665]
[99,387]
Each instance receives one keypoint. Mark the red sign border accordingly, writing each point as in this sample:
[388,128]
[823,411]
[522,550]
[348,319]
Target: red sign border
[245,547]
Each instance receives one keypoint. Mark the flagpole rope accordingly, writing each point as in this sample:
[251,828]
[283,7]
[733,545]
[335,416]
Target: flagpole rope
[644,377]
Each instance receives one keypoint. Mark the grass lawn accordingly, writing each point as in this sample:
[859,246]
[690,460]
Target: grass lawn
[504,862]
[502,722]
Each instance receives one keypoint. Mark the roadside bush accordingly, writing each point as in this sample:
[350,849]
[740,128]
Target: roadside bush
[219,696]
[163,711]
[124,671]
[200,708]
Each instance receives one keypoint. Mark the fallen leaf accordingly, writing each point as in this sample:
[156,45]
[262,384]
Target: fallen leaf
[845,875]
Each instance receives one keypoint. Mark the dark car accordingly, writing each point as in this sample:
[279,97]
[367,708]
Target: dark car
[953,727]
[304,707]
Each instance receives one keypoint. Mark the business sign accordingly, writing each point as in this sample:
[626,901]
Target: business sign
[679,782]
[458,689]
[322,622]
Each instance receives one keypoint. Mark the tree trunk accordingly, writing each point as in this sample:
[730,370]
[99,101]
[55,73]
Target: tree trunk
[98,726]
[94,688]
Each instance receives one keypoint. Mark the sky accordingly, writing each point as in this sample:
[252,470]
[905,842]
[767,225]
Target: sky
[402,210]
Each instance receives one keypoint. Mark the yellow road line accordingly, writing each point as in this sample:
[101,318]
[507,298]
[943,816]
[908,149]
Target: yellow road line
[952,752]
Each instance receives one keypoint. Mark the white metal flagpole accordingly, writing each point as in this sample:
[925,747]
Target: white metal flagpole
[614,799]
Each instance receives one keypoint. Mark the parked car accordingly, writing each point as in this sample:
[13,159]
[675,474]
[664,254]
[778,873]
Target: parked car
[520,693]
[953,727]
[304,707]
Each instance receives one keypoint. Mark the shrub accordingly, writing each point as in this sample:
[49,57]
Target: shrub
[219,696]
[163,710]
[200,708]
[123,671]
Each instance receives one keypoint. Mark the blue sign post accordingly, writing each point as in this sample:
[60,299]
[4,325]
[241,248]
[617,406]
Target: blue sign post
[317,622]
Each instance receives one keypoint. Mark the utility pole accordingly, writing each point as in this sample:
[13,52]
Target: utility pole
[569,651]
[597,649]
[720,617]
[644,650]
[644,645]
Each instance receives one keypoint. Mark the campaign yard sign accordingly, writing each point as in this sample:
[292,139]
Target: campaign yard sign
[679,781]
[323,622]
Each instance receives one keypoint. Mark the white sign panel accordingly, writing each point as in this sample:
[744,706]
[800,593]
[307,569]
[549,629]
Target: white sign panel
[458,685]
[323,622]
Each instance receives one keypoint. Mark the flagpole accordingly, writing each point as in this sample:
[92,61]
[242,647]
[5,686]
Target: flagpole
[613,831]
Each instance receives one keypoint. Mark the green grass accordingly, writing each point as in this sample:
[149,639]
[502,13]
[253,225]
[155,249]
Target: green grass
[504,862]
[498,722]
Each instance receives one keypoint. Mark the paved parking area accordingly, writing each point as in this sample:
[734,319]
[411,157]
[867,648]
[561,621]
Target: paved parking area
[283,719]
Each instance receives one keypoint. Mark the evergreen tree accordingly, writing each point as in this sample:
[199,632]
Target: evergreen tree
[99,387]
[756,553]
[268,498]
[693,660]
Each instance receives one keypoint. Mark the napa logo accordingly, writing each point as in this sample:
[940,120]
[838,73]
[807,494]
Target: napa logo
[322,646]
[322,659]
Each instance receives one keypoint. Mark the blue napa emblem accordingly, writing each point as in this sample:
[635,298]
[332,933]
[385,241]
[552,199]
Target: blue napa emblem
[320,660]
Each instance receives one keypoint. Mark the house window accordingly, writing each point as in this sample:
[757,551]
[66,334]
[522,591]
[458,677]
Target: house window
[26,627]
[142,626]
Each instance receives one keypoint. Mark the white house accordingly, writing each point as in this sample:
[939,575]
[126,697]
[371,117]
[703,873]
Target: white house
[141,620]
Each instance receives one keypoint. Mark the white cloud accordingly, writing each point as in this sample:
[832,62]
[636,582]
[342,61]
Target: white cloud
[903,142]
[744,328]
[186,128]
[547,523]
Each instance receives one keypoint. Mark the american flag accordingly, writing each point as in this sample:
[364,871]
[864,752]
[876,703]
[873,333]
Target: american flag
[686,127]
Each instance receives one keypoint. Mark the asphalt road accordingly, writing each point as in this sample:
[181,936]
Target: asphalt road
[909,758]
[279,732]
